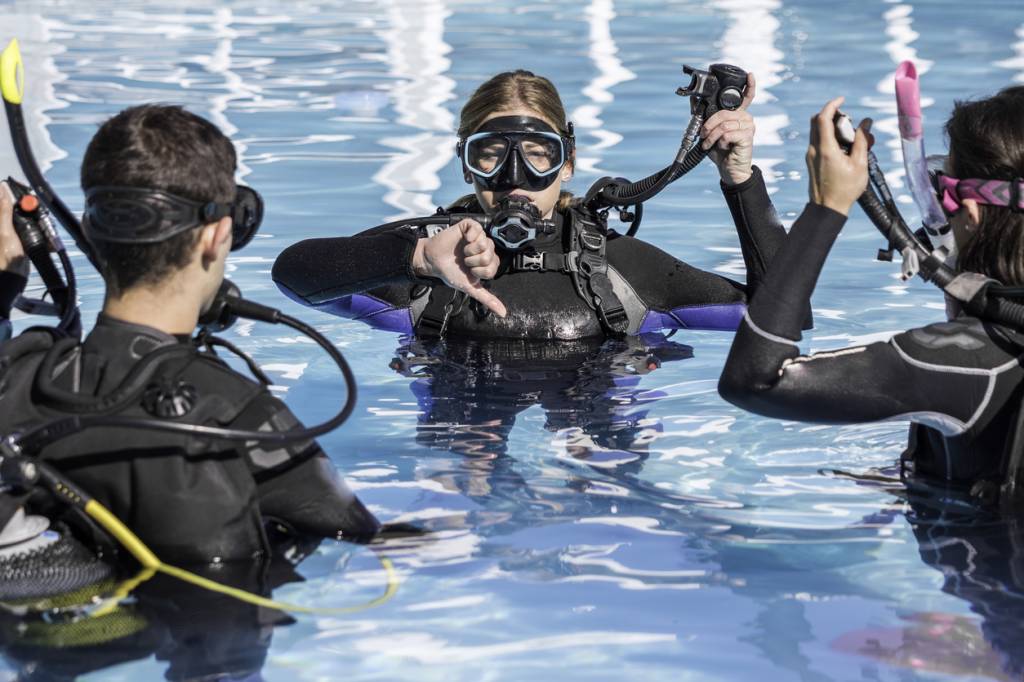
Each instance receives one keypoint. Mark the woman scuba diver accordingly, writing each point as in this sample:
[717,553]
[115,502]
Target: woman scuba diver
[535,261]
[960,381]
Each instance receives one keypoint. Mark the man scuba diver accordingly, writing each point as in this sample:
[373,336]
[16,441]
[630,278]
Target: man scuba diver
[162,212]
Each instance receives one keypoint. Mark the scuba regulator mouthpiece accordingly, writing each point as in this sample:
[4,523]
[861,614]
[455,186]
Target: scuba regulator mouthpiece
[722,86]
[228,305]
[516,223]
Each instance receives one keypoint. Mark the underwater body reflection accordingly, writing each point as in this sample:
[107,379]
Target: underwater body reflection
[65,632]
[470,392]
[980,556]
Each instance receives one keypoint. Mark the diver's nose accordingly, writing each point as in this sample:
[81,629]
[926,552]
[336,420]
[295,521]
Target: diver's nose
[513,175]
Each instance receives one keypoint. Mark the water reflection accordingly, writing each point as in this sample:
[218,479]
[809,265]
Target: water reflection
[980,556]
[603,51]
[196,633]
[470,391]
[749,41]
[981,560]
[418,61]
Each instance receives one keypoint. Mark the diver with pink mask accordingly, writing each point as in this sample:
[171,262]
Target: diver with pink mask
[960,381]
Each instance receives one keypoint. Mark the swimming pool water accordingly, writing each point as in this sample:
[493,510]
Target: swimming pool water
[593,519]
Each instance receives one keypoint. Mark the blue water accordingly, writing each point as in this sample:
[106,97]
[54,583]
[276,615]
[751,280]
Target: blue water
[635,528]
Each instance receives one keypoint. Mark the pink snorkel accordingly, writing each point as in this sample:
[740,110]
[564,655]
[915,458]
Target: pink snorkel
[908,104]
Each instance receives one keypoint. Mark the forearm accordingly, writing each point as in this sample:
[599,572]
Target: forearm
[768,335]
[758,226]
[320,270]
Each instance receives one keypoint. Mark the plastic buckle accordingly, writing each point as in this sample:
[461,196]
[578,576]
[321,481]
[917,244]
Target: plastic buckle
[430,327]
[531,261]
[590,263]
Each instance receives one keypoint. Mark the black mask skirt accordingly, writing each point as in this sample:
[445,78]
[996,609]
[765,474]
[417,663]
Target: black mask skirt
[515,152]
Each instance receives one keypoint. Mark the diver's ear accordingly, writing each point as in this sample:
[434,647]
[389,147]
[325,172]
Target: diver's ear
[973,213]
[567,171]
[465,176]
[215,238]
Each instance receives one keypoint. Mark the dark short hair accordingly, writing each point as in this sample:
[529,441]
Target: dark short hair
[158,147]
[986,140]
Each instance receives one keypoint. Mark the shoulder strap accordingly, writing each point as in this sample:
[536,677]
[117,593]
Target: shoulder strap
[589,247]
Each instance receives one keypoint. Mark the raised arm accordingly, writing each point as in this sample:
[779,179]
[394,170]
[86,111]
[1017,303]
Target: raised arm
[765,372]
[729,138]
[13,264]
[682,296]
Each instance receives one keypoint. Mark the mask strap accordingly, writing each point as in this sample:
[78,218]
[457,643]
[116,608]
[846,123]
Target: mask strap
[949,195]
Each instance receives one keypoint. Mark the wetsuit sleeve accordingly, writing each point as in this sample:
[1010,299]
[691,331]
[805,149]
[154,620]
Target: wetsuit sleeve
[765,372]
[297,483]
[680,296]
[11,286]
[316,271]
[760,231]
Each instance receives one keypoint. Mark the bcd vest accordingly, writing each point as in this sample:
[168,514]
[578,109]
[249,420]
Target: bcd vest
[583,257]
[186,496]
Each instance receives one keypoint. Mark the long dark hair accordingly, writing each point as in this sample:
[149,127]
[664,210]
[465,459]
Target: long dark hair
[986,140]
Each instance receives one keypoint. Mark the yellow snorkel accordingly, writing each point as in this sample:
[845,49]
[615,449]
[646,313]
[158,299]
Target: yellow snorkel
[12,73]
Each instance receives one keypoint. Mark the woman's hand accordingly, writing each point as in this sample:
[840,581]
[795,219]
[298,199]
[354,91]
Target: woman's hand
[12,254]
[461,256]
[729,137]
[836,179]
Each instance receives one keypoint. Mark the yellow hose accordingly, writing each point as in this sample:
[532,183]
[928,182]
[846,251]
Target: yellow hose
[131,542]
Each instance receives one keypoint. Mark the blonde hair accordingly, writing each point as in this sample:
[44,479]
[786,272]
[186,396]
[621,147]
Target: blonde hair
[518,89]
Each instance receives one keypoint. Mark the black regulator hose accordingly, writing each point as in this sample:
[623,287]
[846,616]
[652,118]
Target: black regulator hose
[634,193]
[38,239]
[722,86]
[900,237]
[35,439]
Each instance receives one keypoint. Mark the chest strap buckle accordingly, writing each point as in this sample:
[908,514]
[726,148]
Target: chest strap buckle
[530,261]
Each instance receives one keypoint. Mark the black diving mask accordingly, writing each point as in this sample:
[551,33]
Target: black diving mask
[515,152]
[132,215]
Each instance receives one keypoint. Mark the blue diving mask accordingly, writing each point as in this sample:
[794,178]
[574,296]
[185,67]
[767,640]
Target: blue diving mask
[515,152]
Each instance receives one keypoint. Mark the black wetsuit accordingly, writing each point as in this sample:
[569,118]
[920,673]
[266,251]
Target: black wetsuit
[959,382]
[369,277]
[189,499]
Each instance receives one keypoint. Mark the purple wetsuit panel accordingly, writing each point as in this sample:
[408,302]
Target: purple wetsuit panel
[724,317]
[365,308]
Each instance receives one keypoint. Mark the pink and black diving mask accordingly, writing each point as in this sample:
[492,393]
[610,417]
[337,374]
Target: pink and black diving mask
[952,192]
